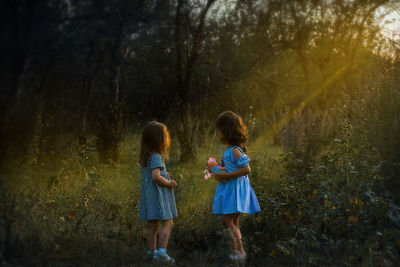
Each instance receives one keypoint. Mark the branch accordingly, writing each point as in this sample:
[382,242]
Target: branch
[196,43]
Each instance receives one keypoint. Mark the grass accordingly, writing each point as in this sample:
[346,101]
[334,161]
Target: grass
[67,208]
[71,199]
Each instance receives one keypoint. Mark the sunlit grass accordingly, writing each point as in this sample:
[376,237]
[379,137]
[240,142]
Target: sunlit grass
[277,127]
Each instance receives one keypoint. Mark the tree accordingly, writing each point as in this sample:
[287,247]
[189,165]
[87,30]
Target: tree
[187,128]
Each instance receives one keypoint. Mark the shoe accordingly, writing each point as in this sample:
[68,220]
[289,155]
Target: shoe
[163,257]
[242,257]
[235,257]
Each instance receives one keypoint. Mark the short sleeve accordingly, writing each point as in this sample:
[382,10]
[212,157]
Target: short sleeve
[242,161]
[156,162]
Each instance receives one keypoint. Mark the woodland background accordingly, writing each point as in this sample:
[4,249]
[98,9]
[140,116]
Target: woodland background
[317,82]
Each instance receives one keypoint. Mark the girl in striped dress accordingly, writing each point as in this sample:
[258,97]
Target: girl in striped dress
[157,201]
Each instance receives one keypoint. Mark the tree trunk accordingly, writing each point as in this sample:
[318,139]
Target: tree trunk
[37,129]
[22,30]
[188,129]
[94,64]
[111,126]
[86,89]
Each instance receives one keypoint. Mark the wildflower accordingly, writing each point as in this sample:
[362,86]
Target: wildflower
[366,119]
[86,200]
[299,213]
[272,253]
[207,175]
[334,207]
[353,219]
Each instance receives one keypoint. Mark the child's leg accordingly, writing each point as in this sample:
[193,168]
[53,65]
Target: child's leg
[236,220]
[165,232]
[229,223]
[239,234]
[152,234]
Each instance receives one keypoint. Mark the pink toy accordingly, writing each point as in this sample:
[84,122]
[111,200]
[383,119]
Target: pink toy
[212,168]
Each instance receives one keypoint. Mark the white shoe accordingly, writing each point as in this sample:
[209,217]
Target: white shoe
[235,257]
[163,257]
[243,256]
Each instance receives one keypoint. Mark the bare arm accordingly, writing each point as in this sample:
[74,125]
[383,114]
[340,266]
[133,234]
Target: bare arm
[161,181]
[225,176]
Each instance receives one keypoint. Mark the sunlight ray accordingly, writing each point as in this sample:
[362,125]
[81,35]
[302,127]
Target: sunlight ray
[276,127]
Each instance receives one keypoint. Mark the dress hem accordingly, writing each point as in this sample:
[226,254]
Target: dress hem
[226,213]
[158,219]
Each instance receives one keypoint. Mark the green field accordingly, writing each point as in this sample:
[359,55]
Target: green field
[81,211]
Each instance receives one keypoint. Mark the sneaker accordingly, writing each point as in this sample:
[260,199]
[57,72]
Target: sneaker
[242,257]
[163,257]
[235,257]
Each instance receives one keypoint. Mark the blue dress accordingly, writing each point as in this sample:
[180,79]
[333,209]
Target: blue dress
[237,195]
[156,202]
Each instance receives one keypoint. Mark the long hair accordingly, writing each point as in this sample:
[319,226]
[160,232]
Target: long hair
[233,131]
[155,140]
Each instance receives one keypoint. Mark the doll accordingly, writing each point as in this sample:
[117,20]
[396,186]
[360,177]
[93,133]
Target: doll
[212,168]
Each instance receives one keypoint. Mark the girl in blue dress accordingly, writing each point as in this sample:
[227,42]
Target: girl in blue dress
[157,201]
[234,194]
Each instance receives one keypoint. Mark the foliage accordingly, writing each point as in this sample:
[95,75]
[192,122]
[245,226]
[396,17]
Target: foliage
[339,207]
[110,65]
[337,211]
[316,82]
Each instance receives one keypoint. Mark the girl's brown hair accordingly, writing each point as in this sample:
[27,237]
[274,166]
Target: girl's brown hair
[233,131]
[155,140]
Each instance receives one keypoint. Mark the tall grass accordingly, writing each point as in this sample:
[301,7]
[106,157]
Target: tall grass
[336,207]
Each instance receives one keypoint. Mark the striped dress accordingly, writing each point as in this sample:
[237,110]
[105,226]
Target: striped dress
[156,202]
